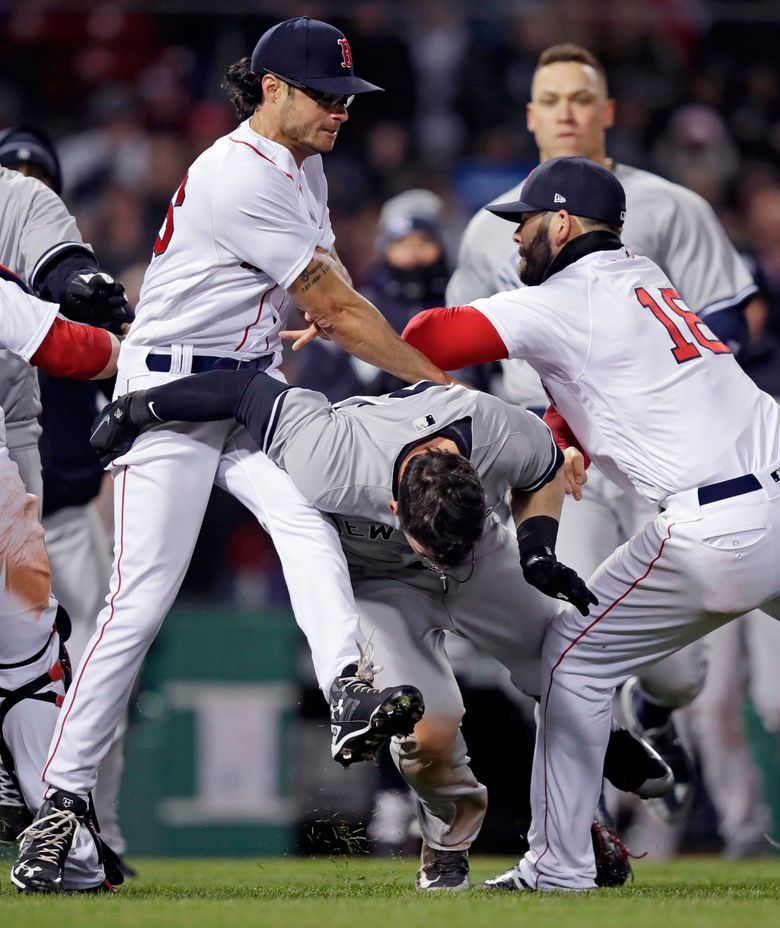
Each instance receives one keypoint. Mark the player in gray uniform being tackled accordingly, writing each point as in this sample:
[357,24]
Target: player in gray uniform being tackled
[410,479]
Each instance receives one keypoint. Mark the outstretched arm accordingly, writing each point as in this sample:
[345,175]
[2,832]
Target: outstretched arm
[334,308]
[536,516]
[248,396]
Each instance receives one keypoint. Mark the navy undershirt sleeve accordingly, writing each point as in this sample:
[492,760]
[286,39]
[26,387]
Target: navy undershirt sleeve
[245,395]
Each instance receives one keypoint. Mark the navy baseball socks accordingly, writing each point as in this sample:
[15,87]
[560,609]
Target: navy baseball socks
[363,718]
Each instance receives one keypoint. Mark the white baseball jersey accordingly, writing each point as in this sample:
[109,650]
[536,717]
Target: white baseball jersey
[253,218]
[657,401]
[24,320]
[671,225]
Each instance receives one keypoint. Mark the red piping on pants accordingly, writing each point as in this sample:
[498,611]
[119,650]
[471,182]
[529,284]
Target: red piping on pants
[84,663]
[558,663]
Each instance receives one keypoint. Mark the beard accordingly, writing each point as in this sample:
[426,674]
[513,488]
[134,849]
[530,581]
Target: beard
[537,256]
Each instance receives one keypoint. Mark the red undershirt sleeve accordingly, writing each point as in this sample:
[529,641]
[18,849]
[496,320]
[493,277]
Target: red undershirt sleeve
[562,433]
[71,350]
[454,337]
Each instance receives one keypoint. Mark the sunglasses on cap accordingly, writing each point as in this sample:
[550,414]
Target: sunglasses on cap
[328,101]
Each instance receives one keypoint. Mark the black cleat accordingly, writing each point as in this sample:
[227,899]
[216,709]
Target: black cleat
[443,870]
[45,844]
[363,718]
[675,804]
[633,766]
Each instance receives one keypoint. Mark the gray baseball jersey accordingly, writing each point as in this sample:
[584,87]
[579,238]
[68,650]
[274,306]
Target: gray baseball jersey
[673,226]
[34,227]
[345,458]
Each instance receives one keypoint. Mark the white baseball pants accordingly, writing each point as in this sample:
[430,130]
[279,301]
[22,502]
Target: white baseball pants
[162,487]
[690,570]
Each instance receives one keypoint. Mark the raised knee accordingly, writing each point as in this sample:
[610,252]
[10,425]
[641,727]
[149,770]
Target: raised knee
[433,736]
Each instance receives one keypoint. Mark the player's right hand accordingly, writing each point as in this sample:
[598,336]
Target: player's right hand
[113,432]
[542,569]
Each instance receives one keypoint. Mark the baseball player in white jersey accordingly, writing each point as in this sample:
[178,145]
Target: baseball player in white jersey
[246,236]
[33,663]
[568,114]
[662,408]
[410,480]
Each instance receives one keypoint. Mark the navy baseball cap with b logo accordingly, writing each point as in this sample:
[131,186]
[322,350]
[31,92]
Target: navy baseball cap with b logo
[309,53]
[580,186]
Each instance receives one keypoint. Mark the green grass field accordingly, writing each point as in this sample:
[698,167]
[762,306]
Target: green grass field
[360,892]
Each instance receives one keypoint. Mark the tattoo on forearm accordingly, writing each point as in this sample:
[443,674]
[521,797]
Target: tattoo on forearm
[311,276]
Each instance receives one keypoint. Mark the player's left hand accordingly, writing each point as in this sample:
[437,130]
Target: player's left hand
[98,300]
[542,569]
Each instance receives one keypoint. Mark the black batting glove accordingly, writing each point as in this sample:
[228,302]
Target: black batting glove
[97,299]
[541,568]
[118,426]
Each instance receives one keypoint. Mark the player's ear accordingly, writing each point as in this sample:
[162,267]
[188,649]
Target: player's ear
[608,120]
[393,506]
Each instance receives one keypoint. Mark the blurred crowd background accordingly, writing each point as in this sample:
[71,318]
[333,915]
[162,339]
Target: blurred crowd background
[130,92]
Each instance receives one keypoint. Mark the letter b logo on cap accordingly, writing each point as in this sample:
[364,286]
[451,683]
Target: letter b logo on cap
[346,54]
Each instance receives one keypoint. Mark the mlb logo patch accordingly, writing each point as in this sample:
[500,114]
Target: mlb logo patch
[775,475]
[423,423]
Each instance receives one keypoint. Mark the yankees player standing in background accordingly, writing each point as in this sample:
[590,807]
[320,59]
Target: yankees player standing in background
[33,663]
[246,236]
[77,544]
[659,404]
[568,114]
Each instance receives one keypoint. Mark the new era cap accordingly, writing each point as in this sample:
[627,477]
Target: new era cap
[577,185]
[312,53]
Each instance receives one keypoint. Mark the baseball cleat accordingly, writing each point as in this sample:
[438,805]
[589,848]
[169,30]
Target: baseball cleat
[443,870]
[509,881]
[363,718]
[44,845]
[632,765]
[674,805]
[613,866]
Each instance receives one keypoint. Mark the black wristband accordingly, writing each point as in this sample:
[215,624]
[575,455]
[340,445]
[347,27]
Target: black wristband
[138,411]
[535,533]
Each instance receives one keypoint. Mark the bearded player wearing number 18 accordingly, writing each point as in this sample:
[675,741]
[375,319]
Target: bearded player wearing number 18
[247,233]
[663,409]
